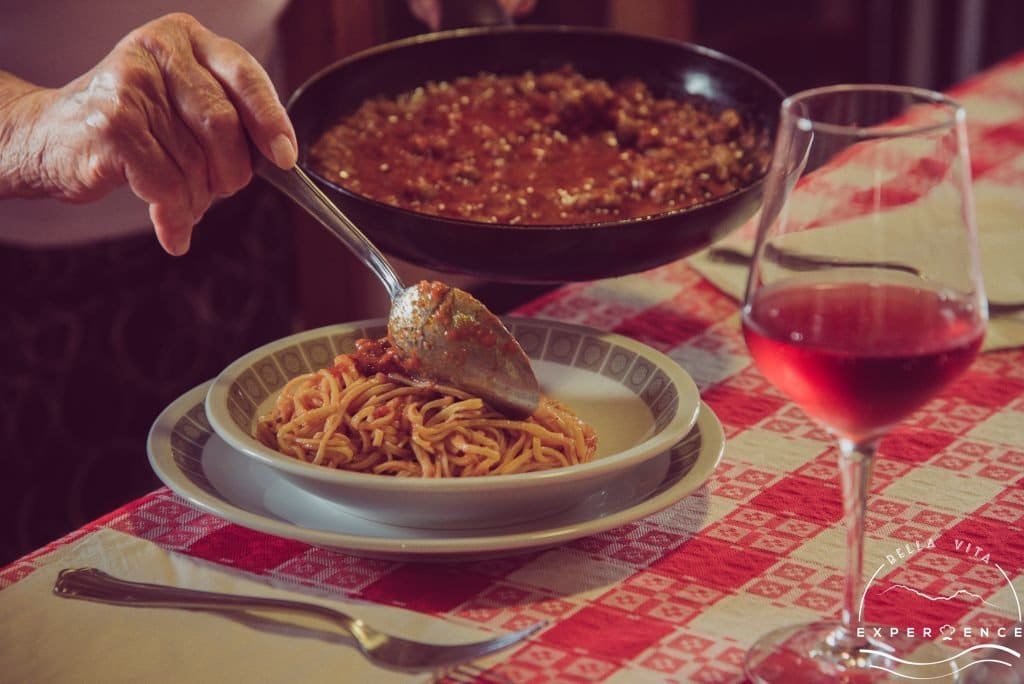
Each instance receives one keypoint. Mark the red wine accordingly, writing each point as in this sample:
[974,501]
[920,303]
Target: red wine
[860,357]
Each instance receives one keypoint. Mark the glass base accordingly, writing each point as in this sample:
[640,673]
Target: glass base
[828,653]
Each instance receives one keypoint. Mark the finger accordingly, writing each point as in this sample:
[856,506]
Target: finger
[181,146]
[139,137]
[173,227]
[205,109]
[157,66]
[252,93]
[157,179]
[144,110]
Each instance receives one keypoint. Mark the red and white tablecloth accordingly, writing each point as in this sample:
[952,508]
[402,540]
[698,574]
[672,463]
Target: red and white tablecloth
[679,596]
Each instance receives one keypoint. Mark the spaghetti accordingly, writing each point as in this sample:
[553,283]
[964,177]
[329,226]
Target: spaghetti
[366,414]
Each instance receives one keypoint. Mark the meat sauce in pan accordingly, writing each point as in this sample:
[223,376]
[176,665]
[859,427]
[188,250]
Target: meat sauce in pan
[540,149]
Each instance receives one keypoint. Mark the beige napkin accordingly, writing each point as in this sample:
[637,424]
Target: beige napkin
[1000,219]
[44,638]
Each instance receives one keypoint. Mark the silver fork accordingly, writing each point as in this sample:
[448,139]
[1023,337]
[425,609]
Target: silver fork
[92,584]
[471,674]
[808,262]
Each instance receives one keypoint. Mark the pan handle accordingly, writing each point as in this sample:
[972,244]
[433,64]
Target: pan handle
[462,13]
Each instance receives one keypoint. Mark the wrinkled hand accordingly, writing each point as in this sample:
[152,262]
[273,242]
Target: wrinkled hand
[170,112]
[429,11]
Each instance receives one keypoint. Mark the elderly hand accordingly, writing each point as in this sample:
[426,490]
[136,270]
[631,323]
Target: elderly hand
[170,111]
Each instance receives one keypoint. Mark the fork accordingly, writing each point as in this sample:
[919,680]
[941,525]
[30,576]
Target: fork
[471,674]
[801,262]
[807,262]
[92,584]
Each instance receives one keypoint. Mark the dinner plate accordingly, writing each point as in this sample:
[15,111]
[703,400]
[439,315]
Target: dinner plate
[200,467]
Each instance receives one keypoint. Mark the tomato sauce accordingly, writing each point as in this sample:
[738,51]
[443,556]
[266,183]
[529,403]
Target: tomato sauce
[552,148]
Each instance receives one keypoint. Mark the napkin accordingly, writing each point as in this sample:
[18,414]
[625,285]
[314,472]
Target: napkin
[1000,219]
[45,638]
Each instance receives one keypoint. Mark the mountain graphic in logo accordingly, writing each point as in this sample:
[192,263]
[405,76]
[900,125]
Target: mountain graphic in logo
[958,595]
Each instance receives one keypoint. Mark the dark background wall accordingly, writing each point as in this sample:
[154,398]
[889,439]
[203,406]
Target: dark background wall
[805,43]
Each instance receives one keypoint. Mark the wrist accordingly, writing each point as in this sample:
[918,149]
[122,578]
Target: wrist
[21,156]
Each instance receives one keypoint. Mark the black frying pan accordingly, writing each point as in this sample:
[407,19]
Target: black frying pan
[536,253]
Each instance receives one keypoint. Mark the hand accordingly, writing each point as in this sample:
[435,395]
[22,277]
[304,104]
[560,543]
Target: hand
[429,11]
[170,111]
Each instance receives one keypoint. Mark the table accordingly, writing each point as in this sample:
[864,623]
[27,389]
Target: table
[680,595]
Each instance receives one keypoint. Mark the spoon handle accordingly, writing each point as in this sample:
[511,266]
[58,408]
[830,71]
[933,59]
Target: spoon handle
[301,188]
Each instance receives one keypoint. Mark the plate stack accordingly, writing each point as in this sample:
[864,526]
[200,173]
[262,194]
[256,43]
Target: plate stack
[656,444]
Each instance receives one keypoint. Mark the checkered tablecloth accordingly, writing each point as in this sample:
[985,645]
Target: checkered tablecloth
[679,596]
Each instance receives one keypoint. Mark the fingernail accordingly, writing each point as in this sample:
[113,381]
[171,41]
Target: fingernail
[284,153]
[182,244]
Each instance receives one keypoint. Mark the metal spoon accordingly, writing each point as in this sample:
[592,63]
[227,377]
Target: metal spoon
[446,333]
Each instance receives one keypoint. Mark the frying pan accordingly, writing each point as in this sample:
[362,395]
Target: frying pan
[536,254]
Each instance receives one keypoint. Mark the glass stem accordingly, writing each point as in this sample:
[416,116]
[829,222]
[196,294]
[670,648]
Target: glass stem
[855,462]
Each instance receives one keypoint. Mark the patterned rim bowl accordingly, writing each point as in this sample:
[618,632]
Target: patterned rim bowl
[639,401]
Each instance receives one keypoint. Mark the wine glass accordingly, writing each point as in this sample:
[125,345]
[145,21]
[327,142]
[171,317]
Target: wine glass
[865,299]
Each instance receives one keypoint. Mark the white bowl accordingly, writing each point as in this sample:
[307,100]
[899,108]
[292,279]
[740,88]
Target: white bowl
[639,401]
